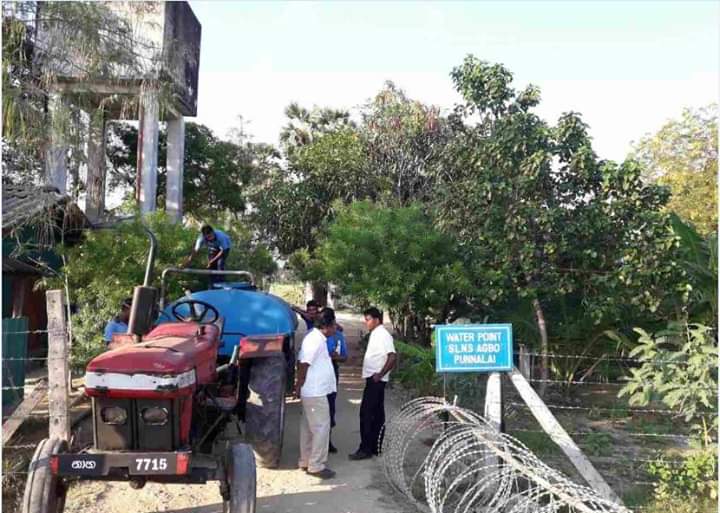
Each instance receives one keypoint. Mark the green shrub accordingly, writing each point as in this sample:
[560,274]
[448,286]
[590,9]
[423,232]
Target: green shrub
[393,256]
[597,444]
[695,480]
[104,268]
[416,369]
[293,293]
[680,369]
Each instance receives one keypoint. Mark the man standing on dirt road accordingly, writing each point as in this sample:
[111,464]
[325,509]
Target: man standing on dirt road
[316,379]
[337,349]
[378,361]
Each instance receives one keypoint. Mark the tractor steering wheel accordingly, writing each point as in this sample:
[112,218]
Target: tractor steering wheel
[194,316]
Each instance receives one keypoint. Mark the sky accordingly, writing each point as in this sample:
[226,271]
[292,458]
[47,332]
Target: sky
[627,67]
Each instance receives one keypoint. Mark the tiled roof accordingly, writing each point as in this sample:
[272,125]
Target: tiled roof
[15,266]
[21,203]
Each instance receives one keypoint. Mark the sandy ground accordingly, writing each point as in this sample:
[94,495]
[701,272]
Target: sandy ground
[359,487]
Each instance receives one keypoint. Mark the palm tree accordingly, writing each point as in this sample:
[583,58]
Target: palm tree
[305,125]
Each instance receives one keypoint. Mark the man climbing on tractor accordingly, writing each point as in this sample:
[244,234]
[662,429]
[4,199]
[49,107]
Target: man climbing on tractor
[218,244]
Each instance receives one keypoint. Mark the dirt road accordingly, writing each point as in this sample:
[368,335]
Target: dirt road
[359,487]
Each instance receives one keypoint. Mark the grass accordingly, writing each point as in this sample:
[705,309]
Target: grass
[659,425]
[538,443]
[597,444]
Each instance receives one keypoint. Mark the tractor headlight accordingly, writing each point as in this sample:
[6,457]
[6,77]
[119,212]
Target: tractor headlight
[154,416]
[113,415]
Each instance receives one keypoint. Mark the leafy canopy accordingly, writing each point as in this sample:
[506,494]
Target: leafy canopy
[538,214]
[394,257]
[683,155]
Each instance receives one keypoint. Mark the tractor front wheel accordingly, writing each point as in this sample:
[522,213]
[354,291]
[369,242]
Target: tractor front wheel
[241,480]
[44,491]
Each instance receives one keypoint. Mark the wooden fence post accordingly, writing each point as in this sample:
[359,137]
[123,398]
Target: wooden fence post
[493,400]
[524,361]
[558,434]
[58,366]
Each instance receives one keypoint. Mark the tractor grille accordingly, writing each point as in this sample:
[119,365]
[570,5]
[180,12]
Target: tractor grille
[136,424]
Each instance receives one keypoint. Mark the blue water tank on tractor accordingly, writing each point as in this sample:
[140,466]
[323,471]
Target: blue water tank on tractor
[245,311]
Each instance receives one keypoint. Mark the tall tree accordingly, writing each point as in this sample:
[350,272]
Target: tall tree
[538,215]
[305,125]
[324,163]
[216,176]
[404,140]
[683,155]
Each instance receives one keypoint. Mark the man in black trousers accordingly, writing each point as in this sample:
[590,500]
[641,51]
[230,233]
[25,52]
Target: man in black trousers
[379,360]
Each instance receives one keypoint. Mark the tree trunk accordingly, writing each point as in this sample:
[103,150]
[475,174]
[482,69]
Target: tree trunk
[320,292]
[95,199]
[544,365]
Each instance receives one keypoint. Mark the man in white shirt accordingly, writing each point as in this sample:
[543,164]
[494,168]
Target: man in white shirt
[315,380]
[379,360]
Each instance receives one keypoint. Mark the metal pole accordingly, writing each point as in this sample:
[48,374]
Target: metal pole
[151,257]
[200,272]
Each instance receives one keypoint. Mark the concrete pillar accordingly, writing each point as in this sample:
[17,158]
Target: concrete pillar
[95,199]
[148,150]
[56,152]
[175,168]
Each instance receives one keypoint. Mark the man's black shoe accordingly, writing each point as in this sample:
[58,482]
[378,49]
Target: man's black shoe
[332,449]
[359,455]
[325,473]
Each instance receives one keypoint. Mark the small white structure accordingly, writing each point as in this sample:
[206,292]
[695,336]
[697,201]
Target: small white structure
[160,85]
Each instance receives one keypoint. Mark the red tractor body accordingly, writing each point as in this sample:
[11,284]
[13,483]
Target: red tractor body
[142,394]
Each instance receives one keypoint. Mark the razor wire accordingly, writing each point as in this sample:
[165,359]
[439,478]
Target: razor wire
[447,459]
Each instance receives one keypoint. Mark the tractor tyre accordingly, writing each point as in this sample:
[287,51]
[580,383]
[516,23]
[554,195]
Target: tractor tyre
[44,491]
[265,409]
[241,479]
[290,361]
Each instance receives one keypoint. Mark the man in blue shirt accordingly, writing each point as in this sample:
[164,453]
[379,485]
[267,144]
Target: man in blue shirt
[337,348]
[119,323]
[218,244]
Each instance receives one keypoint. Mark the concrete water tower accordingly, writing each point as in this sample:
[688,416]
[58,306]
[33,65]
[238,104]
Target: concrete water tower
[158,83]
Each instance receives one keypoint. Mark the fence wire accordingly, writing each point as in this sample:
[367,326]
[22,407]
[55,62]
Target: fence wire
[448,459]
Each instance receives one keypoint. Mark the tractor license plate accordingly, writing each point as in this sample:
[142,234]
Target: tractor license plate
[81,465]
[152,464]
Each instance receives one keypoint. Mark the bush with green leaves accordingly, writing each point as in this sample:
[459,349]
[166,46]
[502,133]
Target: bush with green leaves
[393,256]
[680,369]
[694,482]
[416,369]
[103,269]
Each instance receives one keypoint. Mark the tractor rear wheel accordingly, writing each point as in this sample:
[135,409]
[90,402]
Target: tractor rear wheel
[241,480]
[265,409]
[44,491]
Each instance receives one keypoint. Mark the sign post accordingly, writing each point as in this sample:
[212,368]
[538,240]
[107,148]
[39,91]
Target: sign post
[485,348]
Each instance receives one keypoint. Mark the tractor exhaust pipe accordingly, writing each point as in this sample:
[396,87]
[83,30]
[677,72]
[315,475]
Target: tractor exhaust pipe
[151,257]
[144,297]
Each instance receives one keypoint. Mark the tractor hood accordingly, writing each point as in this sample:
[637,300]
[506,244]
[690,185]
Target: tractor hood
[172,355]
